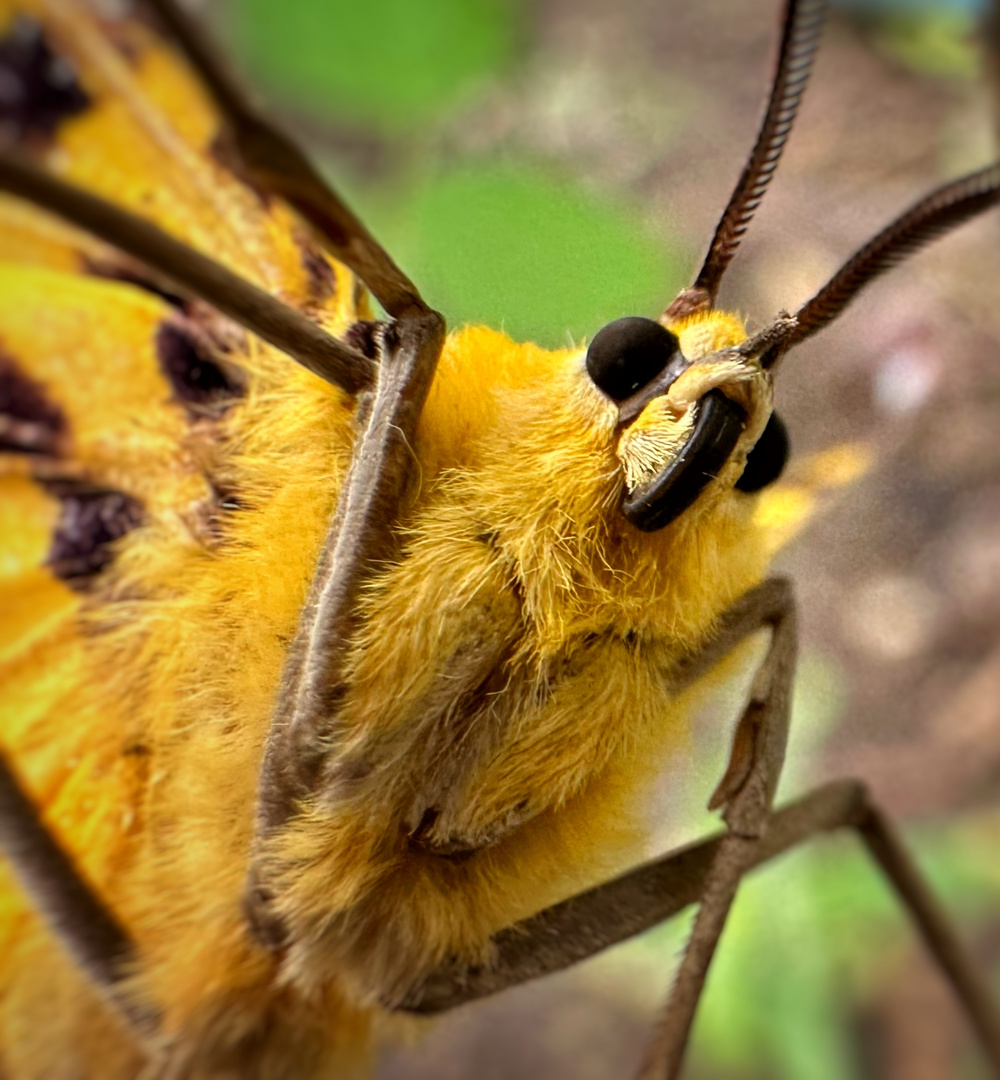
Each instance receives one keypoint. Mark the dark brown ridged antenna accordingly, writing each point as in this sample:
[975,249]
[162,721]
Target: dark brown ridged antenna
[935,214]
[801,26]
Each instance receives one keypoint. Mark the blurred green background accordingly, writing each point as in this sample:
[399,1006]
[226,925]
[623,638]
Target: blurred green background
[545,166]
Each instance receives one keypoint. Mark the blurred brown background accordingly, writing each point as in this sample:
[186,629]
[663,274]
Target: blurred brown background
[599,141]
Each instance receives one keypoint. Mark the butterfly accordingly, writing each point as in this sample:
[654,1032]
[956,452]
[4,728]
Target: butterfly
[278,836]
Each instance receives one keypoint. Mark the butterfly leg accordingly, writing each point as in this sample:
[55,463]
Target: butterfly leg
[360,534]
[271,160]
[192,272]
[74,912]
[578,928]
[745,792]
[745,795]
[708,873]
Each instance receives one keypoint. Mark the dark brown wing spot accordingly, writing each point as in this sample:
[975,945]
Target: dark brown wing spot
[322,281]
[38,88]
[90,521]
[226,154]
[29,422]
[365,336]
[194,369]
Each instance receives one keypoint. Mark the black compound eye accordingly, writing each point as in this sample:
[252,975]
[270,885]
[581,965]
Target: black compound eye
[627,354]
[766,461]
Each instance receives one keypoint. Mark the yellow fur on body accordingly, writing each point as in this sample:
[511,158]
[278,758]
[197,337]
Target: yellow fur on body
[516,550]
[510,695]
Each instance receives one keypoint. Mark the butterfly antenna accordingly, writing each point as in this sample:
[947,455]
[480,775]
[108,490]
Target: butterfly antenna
[274,162]
[801,26]
[937,213]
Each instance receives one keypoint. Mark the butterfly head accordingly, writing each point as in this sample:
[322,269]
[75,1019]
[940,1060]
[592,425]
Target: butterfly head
[694,414]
